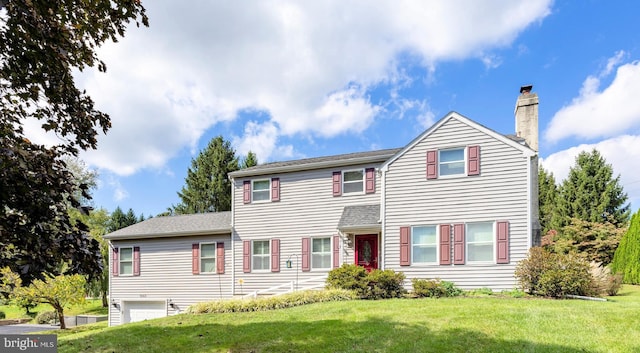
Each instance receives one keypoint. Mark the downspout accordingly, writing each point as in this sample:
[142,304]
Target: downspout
[110,260]
[383,218]
[233,242]
[529,188]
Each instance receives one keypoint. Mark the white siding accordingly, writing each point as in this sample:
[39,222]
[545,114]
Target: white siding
[166,273]
[307,208]
[498,193]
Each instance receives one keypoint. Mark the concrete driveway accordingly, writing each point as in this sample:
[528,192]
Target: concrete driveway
[25,328]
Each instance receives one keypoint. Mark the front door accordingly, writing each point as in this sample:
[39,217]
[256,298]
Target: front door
[367,251]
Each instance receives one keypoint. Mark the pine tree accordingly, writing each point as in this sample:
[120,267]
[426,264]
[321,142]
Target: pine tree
[626,260]
[207,187]
[119,219]
[250,161]
[547,191]
[591,193]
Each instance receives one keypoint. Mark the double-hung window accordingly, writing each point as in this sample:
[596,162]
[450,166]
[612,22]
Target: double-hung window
[480,238]
[260,256]
[451,162]
[321,253]
[126,261]
[207,257]
[260,190]
[353,181]
[424,244]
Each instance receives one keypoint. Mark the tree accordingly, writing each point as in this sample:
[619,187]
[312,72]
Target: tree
[119,219]
[591,193]
[626,260]
[251,160]
[58,291]
[83,176]
[547,191]
[207,187]
[42,43]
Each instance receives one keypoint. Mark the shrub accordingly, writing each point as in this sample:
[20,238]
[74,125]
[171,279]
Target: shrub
[482,291]
[2,315]
[384,284]
[434,288]
[515,293]
[349,277]
[605,281]
[529,270]
[46,317]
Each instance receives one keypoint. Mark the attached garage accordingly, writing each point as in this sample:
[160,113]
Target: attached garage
[143,310]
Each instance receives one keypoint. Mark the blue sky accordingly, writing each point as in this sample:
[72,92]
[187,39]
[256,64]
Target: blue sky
[291,80]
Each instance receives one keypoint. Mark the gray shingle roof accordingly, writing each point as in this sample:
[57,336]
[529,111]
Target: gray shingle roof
[317,162]
[183,225]
[360,216]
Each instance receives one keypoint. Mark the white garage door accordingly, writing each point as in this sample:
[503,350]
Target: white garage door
[144,310]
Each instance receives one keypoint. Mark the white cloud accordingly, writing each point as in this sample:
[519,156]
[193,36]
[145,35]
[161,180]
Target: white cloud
[605,113]
[262,140]
[309,65]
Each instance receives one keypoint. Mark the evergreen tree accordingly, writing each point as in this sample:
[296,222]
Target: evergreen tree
[547,191]
[626,260]
[250,161]
[119,219]
[207,187]
[591,193]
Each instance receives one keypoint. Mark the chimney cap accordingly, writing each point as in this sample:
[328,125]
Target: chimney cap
[526,89]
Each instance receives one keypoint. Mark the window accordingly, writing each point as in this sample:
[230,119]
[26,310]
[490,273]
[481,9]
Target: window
[480,242]
[353,181]
[321,253]
[260,190]
[424,247]
[451,162]
[126,261]
[260,255]
[207,257]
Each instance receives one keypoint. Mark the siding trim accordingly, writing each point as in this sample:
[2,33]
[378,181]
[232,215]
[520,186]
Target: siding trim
[445,244]
[458,244]
[405,247]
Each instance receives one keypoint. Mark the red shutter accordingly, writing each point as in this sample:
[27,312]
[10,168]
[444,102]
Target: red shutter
[473,160]
[246,191]
[404,246]
[136,261]
[337,183]
[336,251]
[306,254]
[458,244]
[114,262]
[246,256]
[502,242]
[195,258]
[220,257]
[370,177]
[445,244]
[275,189]
[275,255]
[432,164]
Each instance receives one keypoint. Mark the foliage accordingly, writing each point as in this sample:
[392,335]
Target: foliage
[626,260]
[271,303]
[42,44]
[547,195]
[251,160]
[59,291]
[596,241]
[46,317]
[483,291]
[434,288]
[207,187]
[119,219]
[605,281]
[349,277]
[591,193]
[2,315]
[377,284]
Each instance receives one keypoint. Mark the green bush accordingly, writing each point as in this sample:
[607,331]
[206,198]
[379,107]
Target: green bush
[46,317]
[271,303]
[515,293]
[434,288]
[2,315]
[484,291]
[605,281]
[376,284]
[349,277]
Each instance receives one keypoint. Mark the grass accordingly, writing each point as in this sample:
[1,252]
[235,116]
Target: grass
[90,307]
[462,324]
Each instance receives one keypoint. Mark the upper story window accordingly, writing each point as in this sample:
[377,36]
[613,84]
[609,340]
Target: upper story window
[207,257]
[479,241]
[424,244]
[353,181]
[321,253]
[451,162]
[260,256]
[260,190]
[126,261]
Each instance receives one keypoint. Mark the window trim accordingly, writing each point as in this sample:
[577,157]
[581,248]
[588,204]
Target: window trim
[215,257]
[267,254]
[329,252]
[268,189]
[493,243]
[132,261]
[362,181]
[436,245]
[464,162]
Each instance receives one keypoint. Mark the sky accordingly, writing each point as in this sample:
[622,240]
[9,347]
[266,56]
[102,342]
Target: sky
[298,79]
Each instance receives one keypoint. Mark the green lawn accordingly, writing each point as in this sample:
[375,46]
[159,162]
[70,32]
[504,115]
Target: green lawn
[91,307]
[480,324]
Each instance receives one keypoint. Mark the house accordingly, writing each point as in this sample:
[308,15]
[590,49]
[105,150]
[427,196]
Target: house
[459,202]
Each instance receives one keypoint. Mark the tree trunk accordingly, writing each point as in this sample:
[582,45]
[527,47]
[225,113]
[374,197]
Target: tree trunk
[105,303]
[60,312]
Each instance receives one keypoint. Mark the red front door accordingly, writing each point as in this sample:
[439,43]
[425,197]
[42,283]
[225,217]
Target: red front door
[367,251]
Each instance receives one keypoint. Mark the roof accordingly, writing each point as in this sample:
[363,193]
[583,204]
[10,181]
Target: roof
[172,226]
[317,162]
[360,216]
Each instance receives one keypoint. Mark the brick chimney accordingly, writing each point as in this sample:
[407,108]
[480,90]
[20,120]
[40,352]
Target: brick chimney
[526,113]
